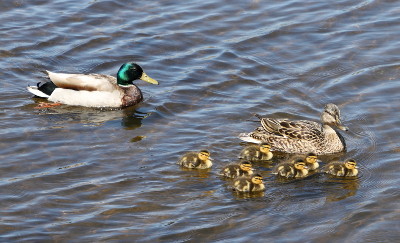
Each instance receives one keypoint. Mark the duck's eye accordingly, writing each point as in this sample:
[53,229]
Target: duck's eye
[204,154]
[266,147]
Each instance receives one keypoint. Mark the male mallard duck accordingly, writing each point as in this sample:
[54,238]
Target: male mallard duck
[256,152]
[94,90]
[296,169]
[196,160]
[244,168]
[301,136]
[253,183]
[347,168]
[312,161]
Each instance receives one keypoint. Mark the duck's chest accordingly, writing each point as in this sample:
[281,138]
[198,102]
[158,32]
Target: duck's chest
[131,96]
[205,165]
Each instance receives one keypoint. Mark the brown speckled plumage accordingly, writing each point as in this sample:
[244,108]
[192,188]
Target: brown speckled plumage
[301,136]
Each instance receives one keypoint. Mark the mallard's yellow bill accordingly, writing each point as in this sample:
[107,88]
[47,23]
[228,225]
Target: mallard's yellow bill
[146,78]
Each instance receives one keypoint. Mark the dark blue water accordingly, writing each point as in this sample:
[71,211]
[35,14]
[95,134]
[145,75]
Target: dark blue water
[90,175]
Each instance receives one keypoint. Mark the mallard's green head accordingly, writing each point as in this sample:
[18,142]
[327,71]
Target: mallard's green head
[130,72]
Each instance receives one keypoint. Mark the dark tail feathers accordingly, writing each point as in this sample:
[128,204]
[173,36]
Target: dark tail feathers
[46,87]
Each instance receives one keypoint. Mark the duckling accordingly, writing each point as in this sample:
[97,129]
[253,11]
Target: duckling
[244,168]
[253,183]
[347,168]
[296,169]
[256,152]
[312,161]
[197,160]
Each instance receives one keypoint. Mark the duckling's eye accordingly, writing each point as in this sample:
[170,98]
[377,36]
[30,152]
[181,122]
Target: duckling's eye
[266,146]
[312,157]
[204,154]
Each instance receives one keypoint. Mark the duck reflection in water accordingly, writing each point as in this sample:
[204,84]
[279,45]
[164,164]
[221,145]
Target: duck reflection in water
[342,189]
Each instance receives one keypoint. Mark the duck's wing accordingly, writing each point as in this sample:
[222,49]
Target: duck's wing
[300,129]
[89,82]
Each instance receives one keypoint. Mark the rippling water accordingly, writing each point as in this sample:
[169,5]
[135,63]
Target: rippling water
[89,175]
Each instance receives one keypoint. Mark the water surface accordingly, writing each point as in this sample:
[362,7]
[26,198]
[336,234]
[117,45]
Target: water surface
[89,175]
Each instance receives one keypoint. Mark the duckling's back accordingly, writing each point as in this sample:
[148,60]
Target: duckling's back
[251,153]
[334,168]
[285,169]
[233,171]
[189,160]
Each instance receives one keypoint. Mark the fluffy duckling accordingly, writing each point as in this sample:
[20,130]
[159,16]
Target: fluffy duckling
[253,183]
[312,161]
[256,152]
[244,168]
[296,169]
[347,168]
[197,160]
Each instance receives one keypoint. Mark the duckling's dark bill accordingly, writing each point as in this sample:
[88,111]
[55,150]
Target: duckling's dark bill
[146,78]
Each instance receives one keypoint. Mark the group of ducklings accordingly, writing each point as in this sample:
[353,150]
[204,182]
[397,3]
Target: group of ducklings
[244,178]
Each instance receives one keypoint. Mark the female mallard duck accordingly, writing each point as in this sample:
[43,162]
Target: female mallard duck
[312,161]
[296,169]
[347,168]
[253,183]
[196,160]
[94,90]
[301,136]
[256,152]
[244,168]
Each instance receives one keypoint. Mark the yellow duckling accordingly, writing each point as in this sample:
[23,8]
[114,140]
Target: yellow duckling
[244,168]
[347,168]
[253,183]
[312,161]
[196,160]
[256,152]
[296,169]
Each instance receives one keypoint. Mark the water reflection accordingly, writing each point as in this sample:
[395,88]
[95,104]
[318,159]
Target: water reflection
[132,118]
[199,173]
[340,188]
[247,195]
[64,114]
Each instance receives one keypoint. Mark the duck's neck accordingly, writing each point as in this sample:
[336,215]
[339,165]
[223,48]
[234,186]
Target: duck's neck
[331,136]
